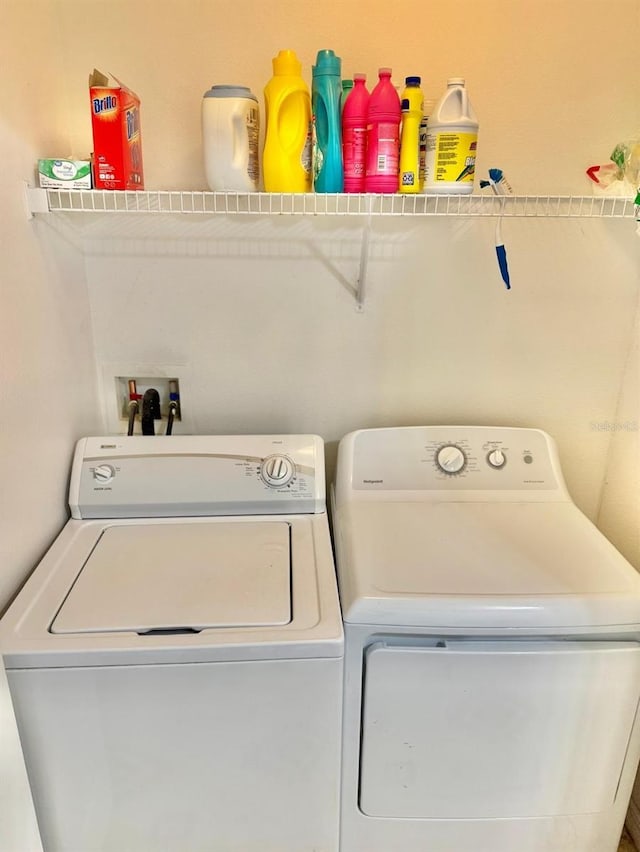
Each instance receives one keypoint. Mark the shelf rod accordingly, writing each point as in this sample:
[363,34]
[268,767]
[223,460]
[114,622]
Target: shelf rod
[364,259]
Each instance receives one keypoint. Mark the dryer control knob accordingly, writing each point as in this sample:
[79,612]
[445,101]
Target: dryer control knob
[103,473]
[497,458]
[277,471]
[450,459]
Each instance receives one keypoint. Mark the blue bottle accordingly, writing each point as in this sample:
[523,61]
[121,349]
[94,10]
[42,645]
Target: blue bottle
[326,92]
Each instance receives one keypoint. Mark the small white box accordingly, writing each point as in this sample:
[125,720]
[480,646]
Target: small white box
[64,174]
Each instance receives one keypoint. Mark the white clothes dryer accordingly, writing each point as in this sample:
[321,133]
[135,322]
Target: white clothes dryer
[175,661]
[492,656]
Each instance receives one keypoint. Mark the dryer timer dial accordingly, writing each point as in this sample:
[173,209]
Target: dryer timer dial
[450,459]
[277,471]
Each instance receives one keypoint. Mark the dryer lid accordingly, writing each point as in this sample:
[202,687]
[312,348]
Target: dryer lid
[179,576]
[480,565]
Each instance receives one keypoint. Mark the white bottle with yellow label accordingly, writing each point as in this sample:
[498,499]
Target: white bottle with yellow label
[452,136]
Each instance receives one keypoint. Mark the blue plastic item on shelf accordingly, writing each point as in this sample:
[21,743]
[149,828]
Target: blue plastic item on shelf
[326,92]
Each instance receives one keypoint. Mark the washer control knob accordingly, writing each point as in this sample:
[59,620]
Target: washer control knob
[450,459]
[103,473]
[277,471]
[497,458]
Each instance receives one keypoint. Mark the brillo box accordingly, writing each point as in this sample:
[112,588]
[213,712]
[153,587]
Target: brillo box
[117,140]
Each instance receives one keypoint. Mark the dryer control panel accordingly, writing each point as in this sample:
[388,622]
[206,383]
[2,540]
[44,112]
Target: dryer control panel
[451,460]
[189,475]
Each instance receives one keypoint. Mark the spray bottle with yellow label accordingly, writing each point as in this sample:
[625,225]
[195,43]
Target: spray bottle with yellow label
[452,136]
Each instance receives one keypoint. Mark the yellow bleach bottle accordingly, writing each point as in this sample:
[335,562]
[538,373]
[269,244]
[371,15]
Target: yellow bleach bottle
[452,137]
[286,159]
[412,105]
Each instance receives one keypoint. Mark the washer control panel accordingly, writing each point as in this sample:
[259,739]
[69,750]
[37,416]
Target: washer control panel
[452,458]
[116,477]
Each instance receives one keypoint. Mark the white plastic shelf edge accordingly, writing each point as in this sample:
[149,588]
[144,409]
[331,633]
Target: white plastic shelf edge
[319,204]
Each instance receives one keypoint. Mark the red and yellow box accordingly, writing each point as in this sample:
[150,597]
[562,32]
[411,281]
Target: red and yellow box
[117,140]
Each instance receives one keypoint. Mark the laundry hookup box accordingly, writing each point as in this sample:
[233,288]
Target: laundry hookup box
[117,139]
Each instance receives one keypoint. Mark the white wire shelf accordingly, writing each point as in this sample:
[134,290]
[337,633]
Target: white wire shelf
[290,204]
[195,222]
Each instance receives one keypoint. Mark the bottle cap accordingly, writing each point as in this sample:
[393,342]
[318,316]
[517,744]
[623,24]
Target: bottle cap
[359,77]
[286,62]
[455,81]
[412,81]
[384,72]
[326,63]
[224,91]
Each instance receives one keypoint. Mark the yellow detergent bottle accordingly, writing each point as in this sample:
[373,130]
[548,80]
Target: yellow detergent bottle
[412,110]
[286,160]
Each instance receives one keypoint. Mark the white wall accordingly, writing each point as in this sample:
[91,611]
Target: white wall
[439,338]
[619,516]
[255,311]
[18,825]
[47,365]
[275,343]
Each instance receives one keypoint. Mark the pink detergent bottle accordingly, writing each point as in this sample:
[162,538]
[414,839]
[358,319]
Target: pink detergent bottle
[354,135]
[383,136]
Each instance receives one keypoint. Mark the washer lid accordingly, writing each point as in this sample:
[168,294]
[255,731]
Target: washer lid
[480,565]
[180,576]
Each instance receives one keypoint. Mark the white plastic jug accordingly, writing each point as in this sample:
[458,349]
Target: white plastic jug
[452,136]
[230,129]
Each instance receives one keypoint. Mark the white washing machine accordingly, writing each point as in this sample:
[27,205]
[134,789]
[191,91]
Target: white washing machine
[175,661]
[492,657]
